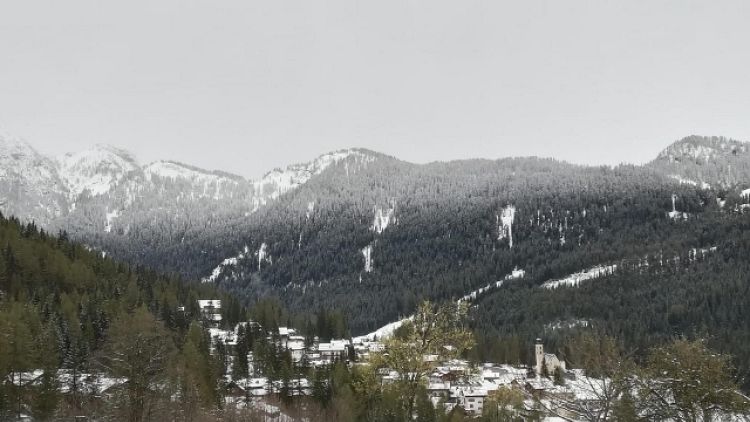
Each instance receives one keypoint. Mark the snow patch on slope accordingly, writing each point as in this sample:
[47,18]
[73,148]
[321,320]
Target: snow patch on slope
[367,253]
[677,215]
[381,333]
[515,275]
[310,209]
[229,262]
[505,224]
[689,182]
[263,255]
[388,329]
[383,219]
[598,271]
[110,217]
[576,278]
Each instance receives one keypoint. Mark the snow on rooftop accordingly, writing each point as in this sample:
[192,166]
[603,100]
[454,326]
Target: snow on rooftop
[286,331]
[215,303]
[333,346]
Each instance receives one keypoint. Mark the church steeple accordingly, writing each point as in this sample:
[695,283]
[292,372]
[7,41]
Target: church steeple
[539,354]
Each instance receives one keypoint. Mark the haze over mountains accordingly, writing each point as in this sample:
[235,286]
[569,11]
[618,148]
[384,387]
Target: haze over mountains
[75,178]
[371,235]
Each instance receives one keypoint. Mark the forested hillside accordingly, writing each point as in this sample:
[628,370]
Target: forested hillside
[371,236]
[376,244]
[649,300]
[69,316]
[701,161]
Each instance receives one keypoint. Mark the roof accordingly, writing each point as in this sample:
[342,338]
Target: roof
[468,391]
[286,331]
[216,303]
[439,386]
[296,345]
[540,383]
[333,346]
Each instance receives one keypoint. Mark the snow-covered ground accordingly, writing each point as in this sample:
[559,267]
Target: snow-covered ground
[367,253]
[383,219]
[381,333]
[689,182]
[505,224]
[576,278]
[110,217]
[227,264]
[224,264]
[608,269]
[516,274]
[388,329]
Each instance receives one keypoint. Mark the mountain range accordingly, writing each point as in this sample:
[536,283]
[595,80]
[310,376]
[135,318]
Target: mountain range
[371,235]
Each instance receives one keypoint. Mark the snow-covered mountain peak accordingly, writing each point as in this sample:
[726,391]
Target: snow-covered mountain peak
[96,170]
[18,157]
[277,182]
[15,147]
[29,182]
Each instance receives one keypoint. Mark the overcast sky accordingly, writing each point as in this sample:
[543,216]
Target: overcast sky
[246,86]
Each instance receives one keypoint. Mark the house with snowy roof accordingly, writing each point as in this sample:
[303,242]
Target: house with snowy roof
[210,310]
[472,400]
[334,350]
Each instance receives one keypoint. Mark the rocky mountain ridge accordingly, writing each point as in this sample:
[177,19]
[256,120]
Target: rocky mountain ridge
[370,234]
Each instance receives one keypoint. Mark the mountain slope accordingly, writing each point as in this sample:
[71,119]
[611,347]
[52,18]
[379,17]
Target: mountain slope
[60,309]
[374,244]
[704,161]
[181,217]
[96,171]
[372,235]
[29,182]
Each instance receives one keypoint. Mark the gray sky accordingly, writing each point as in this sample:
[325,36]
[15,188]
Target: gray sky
[246,86]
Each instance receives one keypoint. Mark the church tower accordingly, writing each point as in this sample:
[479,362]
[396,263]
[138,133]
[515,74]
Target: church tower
[539,353]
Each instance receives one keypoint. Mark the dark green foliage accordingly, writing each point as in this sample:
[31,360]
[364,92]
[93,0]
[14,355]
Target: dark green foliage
[696,296]
[443,240]
[59,310]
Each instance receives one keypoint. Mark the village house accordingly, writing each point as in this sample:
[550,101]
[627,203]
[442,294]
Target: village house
[470,398]
[210,310]
[334,350]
